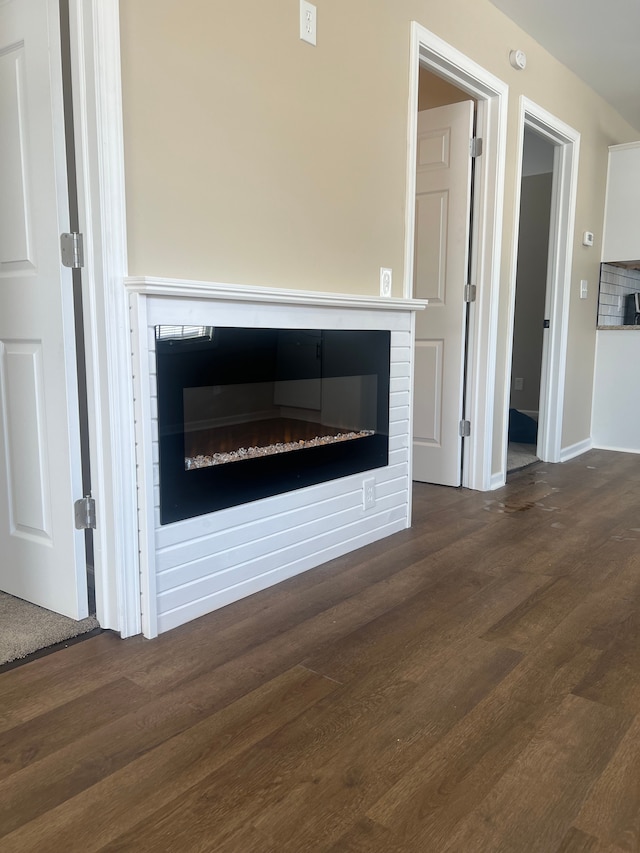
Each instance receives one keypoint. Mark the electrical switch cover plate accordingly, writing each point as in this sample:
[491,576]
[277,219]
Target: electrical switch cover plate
[518,384]
[369,493]
[307,22]
[584,285]
[386,279]
[587,238]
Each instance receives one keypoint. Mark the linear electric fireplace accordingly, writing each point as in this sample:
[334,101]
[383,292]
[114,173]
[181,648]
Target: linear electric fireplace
[246,413]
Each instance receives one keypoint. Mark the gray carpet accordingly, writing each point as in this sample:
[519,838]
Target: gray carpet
[520,455]
[25,628]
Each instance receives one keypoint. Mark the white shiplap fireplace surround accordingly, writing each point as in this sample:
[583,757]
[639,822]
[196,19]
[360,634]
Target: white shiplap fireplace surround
[194,566]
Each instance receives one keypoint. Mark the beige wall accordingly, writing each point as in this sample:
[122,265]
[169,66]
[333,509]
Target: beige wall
[433,91]
[252,157]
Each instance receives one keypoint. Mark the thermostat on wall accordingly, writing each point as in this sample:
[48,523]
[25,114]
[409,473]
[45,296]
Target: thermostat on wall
[587,238]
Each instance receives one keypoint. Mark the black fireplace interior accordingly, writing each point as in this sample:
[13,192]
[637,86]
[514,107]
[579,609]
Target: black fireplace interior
[245,414]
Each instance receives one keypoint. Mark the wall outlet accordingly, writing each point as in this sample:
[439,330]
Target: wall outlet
[386,280]
[369,493]
[308,22]
[518,384]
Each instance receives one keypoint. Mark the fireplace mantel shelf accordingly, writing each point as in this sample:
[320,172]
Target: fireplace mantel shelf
[185,289]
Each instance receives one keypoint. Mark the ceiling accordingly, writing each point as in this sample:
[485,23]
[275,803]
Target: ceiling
[599,40]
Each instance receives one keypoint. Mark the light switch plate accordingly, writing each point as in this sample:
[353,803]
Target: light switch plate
[386,280]
[584,288]
[308,22]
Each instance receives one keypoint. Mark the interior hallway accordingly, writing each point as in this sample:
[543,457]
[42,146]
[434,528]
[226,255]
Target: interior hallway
[470,684]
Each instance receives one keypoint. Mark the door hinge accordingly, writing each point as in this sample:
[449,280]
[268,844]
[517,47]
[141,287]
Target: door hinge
[85,512]
[476,146]
[469,293]
[465,428]
[72,250]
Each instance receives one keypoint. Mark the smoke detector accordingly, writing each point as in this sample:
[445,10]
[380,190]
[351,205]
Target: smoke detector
[518,59]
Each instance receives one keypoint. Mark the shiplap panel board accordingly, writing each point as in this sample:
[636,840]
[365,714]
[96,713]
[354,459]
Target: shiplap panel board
[258,556]
[400,401]
[246,573]
[397,417]
[399,383]
[398,369]
[199,607]
[237,523]
[398,442]
[254,534]
[395,486]
[399,458]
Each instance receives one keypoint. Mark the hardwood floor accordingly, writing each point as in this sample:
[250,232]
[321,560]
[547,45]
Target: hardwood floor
[471,684]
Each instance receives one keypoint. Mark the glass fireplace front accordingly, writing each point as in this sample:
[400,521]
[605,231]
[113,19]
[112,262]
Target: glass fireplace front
[248,413]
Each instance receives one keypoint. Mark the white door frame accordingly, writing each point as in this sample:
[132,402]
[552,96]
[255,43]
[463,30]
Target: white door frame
[97,103]
[491,95]
[566,142]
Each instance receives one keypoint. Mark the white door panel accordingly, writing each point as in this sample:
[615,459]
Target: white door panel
[428,407]
[15,220]
[29,489]
[443,198]
[431,246]
[40,473]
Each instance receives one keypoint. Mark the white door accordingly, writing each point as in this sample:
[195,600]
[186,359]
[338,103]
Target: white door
[443,199]
[41,554]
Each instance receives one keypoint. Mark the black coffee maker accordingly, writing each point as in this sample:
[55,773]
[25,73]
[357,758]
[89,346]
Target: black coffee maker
[632,310]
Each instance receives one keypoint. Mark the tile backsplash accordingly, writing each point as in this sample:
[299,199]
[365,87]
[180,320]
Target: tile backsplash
[616,283]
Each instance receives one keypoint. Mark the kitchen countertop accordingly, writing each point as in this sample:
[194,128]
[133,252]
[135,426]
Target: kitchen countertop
[618,328]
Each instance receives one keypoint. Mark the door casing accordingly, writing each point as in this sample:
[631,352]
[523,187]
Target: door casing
[566,142]
[99,150]
[491,95]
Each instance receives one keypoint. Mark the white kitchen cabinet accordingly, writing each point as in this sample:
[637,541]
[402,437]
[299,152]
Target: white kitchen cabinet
[621,240]
[616,407]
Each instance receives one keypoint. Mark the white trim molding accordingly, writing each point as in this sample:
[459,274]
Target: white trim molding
[566,142]
[497,481]
[190,289]
[95,61]
[576,449]
[491,95]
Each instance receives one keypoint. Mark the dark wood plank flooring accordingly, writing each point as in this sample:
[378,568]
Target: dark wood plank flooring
[471,684]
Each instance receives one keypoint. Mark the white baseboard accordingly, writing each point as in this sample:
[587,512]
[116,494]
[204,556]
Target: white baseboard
[617,449]
[575,450]
[497,481]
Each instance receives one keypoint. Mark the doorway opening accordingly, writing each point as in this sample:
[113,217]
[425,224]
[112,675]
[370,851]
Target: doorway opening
[543,139]
[41,393]
[530,299]
[44,494]
[473,384]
